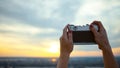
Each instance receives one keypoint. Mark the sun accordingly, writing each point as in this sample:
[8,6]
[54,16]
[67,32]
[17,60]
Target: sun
[53,60]
[54,48]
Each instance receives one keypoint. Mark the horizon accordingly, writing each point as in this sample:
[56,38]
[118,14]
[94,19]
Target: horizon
[54,57]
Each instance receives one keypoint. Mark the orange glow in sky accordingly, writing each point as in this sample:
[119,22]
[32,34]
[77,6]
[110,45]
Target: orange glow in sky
[52,51]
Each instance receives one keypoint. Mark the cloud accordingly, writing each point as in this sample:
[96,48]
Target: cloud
[16,35]
[105,11]
[37,12]
[88,11]
[95,10]
[91,8]
[27,24]
[12,25]
[47,13]
[16,45]
[22,28]
[41,9]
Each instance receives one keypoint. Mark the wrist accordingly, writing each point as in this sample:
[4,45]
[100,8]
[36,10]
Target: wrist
[107,48]
[108,51]
[64,55]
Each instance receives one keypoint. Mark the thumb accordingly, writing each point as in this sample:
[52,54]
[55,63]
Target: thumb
[94,31]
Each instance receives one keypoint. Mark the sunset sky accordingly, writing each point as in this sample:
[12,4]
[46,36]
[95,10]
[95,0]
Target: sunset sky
[32,28]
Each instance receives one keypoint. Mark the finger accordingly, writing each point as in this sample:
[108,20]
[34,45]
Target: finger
[94,31]
[68,28]
[65,31]
[99,24]
[70,36]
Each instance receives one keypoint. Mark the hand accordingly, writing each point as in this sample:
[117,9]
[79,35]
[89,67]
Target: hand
[66,43]
[66,47]
[102,41]
[100,35]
